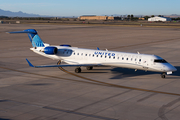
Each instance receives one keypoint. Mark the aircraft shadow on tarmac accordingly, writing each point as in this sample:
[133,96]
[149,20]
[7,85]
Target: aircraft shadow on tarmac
[4,119]
[94,72]
[40,84]
[97,70]
[124,72]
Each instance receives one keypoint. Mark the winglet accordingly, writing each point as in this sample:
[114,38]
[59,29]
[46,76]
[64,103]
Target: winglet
[29,63]
[98,48]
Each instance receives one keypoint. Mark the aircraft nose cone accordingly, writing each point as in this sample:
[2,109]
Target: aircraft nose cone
[174,69]
[171,68]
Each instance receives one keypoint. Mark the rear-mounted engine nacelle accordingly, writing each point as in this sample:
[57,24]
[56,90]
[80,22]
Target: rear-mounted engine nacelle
[50,50]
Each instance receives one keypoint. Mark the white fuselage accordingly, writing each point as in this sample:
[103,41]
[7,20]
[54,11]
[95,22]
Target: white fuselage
[73,55]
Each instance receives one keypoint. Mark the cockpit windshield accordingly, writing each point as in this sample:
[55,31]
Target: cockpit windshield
[160,61]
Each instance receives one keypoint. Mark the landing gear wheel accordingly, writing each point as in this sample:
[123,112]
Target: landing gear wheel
[163,75]
[78,70]
[89,68]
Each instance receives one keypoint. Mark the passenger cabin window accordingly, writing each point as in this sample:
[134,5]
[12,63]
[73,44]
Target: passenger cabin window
[160,61]
[86,55]
[109,56]
[93,55]
[139,60]
[127,59]
[113,57]
[122,58]
[77,53]
[74,53]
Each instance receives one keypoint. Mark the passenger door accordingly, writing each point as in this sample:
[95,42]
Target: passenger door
[145,63]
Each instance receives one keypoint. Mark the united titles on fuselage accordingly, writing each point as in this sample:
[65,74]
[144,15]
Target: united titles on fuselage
[104,53]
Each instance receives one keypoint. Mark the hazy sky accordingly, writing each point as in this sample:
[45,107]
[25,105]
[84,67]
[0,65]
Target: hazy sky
[93,7]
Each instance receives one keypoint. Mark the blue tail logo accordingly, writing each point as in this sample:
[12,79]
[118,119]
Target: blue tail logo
[33,36]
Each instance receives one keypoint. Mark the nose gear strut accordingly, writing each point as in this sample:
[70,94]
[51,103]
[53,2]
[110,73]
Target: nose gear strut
[163,75]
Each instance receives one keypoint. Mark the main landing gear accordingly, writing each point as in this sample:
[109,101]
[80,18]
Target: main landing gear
[163,75]
[78,70]
[89,68]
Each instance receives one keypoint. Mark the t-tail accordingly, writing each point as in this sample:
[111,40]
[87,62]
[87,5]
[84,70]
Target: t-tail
[33,36]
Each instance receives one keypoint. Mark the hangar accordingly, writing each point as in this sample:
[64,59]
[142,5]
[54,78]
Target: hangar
[94,17]
[163,19]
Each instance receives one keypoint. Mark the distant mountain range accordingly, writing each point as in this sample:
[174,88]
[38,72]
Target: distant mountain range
[16,14]
[22,14]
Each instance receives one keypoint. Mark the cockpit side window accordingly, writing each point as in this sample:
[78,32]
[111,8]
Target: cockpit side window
[160,61]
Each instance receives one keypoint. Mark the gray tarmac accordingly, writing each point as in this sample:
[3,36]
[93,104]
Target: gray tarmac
[104,93]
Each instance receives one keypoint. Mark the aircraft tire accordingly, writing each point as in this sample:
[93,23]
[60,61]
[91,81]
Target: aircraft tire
[163,75]
[78,70]
[89,68]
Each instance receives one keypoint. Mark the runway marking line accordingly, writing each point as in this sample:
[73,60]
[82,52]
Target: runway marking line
[50,76]
[144,43]
[79,113]
[119,86]
[96,82]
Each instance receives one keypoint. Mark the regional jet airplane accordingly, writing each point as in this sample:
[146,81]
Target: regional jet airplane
[78,57]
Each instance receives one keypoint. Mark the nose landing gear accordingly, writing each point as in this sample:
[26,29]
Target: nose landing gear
[163,75]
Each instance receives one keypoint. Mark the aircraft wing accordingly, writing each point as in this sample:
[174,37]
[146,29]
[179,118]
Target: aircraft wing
[62,65]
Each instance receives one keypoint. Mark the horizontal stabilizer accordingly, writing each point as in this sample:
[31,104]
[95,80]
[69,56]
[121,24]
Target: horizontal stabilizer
[33,32]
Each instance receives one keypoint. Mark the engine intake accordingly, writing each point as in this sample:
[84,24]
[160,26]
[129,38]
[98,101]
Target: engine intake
[50,50]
